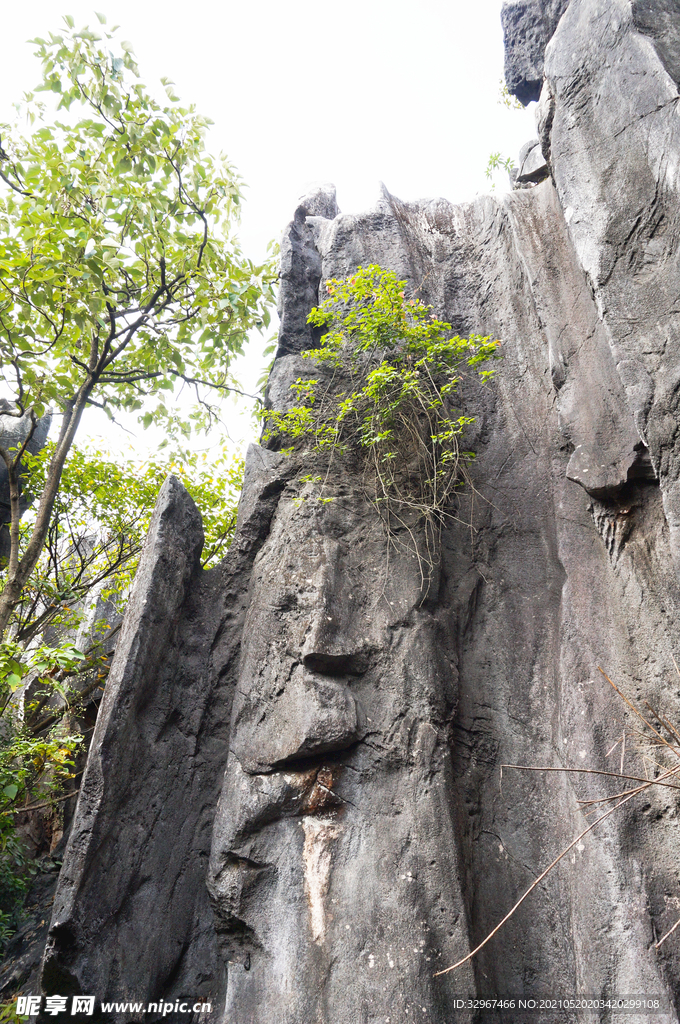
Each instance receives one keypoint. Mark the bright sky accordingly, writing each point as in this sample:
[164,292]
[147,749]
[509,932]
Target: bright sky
[304,90]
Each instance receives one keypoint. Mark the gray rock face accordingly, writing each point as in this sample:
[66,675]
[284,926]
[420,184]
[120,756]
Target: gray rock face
[533,166]
[353,717]
[339,762]
[300,276]
[131,915]
[145,749]
[528,26]
[658,20]
[624,220]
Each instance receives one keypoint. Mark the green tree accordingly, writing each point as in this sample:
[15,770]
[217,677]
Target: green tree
[119,274]
[99,520]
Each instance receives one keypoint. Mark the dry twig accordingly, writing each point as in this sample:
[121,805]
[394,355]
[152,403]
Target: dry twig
[621,798]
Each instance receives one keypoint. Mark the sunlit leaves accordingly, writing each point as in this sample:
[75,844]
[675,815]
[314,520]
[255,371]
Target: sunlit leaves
[117,258]
[99,522]
[389,399]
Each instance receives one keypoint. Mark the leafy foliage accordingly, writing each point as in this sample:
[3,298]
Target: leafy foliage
[31,766]
[506,99]
[99,521]
[116,255]
[120,279]
[392,371]
[497,162]
[9,1015]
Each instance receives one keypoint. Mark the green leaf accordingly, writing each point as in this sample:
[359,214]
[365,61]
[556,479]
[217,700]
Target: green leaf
[104,222]
[402,363]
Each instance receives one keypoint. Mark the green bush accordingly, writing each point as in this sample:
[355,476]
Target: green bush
[388,396]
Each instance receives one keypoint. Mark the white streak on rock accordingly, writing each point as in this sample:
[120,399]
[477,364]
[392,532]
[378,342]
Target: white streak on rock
[317,856]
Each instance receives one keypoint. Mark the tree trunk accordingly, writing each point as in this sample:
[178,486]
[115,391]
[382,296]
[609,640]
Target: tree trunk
[20,569]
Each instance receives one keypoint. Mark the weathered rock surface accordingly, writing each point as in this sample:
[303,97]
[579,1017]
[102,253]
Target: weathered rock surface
[351,672]
[352,716]
[131,914]
[146,749]
[528,26]
[533,166]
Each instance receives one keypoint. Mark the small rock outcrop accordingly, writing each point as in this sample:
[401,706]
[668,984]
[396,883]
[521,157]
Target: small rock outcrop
[292,808]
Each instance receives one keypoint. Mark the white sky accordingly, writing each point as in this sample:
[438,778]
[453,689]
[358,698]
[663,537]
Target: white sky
[304,90]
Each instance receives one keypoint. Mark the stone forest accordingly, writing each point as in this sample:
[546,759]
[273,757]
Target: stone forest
[299,805]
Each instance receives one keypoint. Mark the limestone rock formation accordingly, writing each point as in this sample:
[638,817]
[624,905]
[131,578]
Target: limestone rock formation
[528,27]
[339,770]
[292,804]
[533,166]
